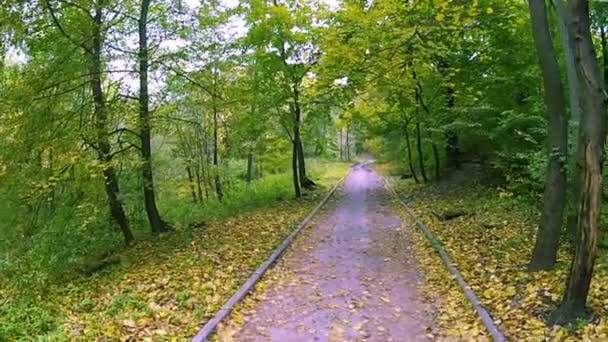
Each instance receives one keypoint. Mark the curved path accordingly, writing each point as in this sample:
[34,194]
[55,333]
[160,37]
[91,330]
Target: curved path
[350,277]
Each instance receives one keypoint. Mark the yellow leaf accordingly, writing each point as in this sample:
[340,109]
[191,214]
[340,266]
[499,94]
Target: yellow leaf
[489,10]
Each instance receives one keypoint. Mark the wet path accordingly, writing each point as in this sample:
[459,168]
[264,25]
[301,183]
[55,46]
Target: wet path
[351,277]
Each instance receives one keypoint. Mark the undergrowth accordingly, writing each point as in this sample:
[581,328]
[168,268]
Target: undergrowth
[490,242]
[164,287]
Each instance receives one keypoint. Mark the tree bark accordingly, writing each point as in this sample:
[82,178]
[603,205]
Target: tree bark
[554,196]
[594,131]
[341,150]
[409,153]
[218,183]
[575,114]
[191,184]
[100,117]
[156,222]
[452,146]
[348,142]
[294,168]
[305,182]
[436,157]
[420,101]
[573,82]
[420,154]
[249,167]
[604,54]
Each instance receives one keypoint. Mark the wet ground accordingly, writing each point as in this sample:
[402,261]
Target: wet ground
[350,277]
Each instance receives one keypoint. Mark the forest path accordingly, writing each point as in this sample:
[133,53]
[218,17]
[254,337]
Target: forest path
[351,277]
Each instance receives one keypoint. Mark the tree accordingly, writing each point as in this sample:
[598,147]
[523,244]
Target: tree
[92,50]
[283,35]
[594,134]
[554,196]
[156,222]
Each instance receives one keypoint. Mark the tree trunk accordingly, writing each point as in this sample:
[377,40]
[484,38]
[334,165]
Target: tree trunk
[348,143]
[249,167]
[604,54]
[259,170]
[218,183]
[575,114]
[409,153]
[294,168]
[202,183]
[191,184]
[420,154]
[573,83]
[103,145]
[594,131]
[341,150]
[554,197]
[420,101]
[156,222]
[305,182]
[452,146]
[436,157]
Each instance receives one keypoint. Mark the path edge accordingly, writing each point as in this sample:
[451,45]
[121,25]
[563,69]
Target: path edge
[209,328]
[483,314]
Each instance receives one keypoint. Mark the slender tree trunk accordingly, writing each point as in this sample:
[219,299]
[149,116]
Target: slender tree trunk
[575,114]
[200,183]
[156,222]
[573,83]
[436,157]
[259,170]
[348,142]
[2,58]
[249,167]
[554,197]
[341,149]
[420,101]
[191,184]
[409,153]
[103,145]
[294,169]
[593,104]
[604,54]
[452,146]
[420,154]
[305,182]
[218,183]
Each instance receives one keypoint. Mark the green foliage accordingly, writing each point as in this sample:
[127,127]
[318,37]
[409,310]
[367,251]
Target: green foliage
[232,83]
[198,265]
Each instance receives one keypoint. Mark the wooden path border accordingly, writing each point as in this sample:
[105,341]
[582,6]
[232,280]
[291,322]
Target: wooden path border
[209,327]
[483,314]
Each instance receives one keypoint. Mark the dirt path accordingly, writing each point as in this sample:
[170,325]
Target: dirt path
[351,277]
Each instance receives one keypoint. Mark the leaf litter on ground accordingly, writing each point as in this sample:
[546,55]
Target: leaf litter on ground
[491,247]
[167,288]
